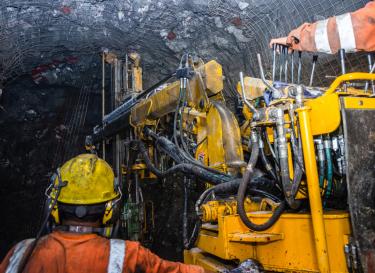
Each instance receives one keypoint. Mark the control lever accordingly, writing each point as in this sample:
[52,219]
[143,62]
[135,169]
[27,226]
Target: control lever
[273,62]
[299,67]
[286,63]
[292,68]
[281,61]
[248,104]
[273,89]
[315,58]
[342,62]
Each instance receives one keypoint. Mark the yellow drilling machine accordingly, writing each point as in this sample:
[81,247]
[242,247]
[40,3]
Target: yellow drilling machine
[290,178]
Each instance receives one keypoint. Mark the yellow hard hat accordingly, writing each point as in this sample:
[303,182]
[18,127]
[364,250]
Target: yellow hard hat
[89,180]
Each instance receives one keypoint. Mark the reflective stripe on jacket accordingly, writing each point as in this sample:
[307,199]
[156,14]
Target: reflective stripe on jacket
[351,31]
[71,252]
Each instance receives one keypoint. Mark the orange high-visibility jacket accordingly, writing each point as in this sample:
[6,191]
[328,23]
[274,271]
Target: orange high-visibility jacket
[64,252]
[351,31]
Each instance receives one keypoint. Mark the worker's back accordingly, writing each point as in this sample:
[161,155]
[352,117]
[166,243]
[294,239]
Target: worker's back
[73,252]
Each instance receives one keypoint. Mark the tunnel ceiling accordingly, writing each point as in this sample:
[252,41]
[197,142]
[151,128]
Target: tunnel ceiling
[35,35]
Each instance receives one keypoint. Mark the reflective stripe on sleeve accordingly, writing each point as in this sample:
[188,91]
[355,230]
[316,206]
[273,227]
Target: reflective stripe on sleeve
[321,37]
[346,32]
[116,256]
[16,258]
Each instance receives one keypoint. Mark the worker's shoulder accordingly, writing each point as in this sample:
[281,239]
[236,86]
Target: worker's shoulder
[23,245]
[132,244]
[16,253]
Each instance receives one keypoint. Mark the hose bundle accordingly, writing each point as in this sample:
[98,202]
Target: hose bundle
[249,173]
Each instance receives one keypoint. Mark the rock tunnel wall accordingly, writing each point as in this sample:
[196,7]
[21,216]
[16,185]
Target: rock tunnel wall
[49,63]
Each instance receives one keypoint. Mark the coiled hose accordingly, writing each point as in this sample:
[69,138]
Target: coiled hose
[267,165]
[242,193]
[227,188]
[186,168]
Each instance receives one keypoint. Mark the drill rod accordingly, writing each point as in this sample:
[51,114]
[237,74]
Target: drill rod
[315,58]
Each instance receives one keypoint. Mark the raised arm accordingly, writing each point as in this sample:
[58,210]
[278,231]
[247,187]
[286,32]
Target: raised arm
[353,32]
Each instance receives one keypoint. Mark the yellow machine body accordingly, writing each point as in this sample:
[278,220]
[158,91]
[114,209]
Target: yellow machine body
[288,246]
[298,242]
[308,241]
[207,119]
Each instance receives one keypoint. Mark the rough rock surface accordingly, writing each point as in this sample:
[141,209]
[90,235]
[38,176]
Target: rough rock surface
[38,32]
[36,128]
[49,60]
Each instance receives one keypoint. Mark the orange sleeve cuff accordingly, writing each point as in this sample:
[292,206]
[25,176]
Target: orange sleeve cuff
[140,259]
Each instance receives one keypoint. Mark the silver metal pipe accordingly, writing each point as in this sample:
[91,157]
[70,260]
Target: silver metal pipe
[273,89]
[282,147]
[299,96]
[248,104]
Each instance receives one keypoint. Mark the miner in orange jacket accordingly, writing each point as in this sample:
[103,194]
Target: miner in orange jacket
[86,197]
[83,201]
[350,31]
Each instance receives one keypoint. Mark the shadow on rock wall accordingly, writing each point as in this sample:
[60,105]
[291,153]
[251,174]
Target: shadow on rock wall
[34,139]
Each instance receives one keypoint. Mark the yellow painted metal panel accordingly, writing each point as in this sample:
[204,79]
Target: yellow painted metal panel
[359,103]
[325,114]
[213,73]
[294,253]
[348,77]
[253,237]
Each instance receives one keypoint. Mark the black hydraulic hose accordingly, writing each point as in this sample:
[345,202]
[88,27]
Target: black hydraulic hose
[266,163]
[185,213]
[228,188]
[177,154]
[194,235]
[298,170]
[232,187]
[185,168]
[242,193]
[297,150]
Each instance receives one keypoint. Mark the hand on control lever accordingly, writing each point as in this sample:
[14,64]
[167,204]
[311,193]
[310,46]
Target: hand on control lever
[279,41]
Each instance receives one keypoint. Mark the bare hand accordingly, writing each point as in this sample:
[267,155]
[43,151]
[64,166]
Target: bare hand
[279,41]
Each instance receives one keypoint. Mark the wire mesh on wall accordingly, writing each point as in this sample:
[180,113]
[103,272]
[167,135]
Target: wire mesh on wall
[232,31]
